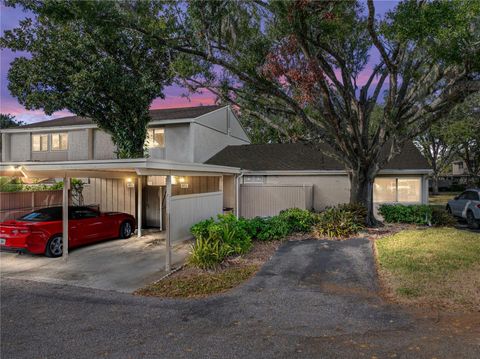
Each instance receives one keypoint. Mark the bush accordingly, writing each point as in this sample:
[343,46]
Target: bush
[216,240]
[298,220]
[273,228]
[337,223]
[399,213]
[254,226]
[358,210]
[441,218]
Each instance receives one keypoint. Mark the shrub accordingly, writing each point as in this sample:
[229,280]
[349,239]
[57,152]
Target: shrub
[441,218]
[207,253]
[298,220]
[254,226]
[358,210]
[399,213]
[337,223]
[273,228]
[216,240]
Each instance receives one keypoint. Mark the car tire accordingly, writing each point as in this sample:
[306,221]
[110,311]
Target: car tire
[126,230]
[449,210]
[471,221]
[54,246]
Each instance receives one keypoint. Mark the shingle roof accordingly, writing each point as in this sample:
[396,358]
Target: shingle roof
[301,157]
[156,115]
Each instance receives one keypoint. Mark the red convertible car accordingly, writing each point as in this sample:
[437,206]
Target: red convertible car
[41,231]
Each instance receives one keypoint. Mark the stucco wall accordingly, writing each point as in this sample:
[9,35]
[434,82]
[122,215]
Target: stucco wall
[178,145]
[20,147]
[78,143]
[208,142]
[103,147]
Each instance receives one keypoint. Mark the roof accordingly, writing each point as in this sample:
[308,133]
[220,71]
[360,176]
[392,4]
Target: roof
[156,115]
[302,157]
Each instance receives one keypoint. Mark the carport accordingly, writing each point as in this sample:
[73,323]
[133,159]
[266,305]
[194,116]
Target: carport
[182,205]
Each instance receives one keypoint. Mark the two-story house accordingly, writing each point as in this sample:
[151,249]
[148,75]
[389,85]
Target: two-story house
[200,163]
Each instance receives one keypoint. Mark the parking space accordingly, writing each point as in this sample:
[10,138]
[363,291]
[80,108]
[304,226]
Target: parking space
[121,265]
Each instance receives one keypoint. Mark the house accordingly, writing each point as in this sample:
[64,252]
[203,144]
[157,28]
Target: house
[200,163]
[278,176]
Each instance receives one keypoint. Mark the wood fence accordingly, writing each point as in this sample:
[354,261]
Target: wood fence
[16,204]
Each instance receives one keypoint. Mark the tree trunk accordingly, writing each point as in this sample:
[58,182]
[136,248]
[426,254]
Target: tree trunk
[361,191]
[435,185]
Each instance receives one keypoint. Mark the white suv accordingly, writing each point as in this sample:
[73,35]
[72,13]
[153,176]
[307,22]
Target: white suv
[467,206]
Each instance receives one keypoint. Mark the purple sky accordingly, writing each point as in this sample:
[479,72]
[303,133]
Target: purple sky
[9,18]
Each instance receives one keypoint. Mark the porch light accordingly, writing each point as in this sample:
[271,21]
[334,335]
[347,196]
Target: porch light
[181,179]
[129,182]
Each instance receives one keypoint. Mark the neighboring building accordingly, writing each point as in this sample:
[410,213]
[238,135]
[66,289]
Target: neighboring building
[459,168]
[199,164]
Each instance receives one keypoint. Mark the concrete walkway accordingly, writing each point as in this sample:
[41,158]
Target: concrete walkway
[122,265]
[314,299]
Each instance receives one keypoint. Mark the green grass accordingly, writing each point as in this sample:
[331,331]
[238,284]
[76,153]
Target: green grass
[436,265]
[442,198]
[199,284]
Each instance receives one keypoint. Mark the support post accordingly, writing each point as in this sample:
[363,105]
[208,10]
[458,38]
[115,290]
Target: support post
[66,187]
[139,207]
[168,249]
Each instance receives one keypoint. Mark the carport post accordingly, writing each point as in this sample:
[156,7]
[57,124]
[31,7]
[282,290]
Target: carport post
[168,249]
[66,187]
[139,206]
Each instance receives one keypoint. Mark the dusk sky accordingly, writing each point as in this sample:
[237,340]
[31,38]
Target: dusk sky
[9,19]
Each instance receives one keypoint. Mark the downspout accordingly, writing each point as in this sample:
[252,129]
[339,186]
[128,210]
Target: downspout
[237,195]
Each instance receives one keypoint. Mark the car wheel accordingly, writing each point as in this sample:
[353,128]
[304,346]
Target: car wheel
[449,210]
[54,247]
[126,230]
[471,221]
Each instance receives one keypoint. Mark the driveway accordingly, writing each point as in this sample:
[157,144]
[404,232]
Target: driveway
[314,299]
[123,264]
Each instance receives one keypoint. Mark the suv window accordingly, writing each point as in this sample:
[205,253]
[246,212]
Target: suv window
[471,195]
[463,195]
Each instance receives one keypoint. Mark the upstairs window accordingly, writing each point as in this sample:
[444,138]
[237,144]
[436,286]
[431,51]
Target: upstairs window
[155,137]
[59,141]
[39,143]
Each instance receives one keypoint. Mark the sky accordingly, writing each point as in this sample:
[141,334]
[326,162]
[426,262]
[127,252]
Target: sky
[9,19]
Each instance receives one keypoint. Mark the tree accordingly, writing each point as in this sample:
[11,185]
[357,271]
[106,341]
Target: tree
[438,150]
[8,121]
[463,130]
[305,61]
[98,70]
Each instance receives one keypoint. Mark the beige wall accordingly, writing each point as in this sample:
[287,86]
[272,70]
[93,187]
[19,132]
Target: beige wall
[178,146]
[229,191]
[103,147]
[78,144]
[110,195]
[20,147]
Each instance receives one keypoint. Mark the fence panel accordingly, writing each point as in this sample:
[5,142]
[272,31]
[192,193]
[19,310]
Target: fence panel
[269,199]
[16,204]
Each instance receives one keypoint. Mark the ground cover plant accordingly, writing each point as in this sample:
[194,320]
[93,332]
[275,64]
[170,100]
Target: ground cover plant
[435,266]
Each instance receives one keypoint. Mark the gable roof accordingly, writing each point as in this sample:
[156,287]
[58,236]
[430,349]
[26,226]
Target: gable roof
[156,115]
[302,157]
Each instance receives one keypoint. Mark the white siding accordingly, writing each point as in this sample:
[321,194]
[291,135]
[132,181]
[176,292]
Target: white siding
[110,195]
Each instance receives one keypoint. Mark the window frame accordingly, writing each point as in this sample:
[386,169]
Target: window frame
[40,136]
[59,141]
[149,138]
[396,178]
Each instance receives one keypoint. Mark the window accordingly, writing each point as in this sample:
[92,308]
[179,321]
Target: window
[473,196]
[254,179]
[44,215]
[59,141]
[392,189]
[39,143]
[460,165]
[155,137]
[83,213]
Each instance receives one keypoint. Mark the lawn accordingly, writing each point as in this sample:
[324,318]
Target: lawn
[436,266]
[442,198]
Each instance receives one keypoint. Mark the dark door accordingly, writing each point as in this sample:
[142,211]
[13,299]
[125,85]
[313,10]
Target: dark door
[152,206]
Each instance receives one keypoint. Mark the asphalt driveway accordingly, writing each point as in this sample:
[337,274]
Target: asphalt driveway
[123,265]
[314,299]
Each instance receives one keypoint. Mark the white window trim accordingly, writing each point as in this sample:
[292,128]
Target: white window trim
[51,142]
[40,135]
[153,129]
[396,191]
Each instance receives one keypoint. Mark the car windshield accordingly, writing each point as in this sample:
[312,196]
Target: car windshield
[43,215]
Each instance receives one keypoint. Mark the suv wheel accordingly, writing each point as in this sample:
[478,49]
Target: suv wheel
[472,222]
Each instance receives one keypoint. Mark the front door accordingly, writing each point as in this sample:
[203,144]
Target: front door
[152,206]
